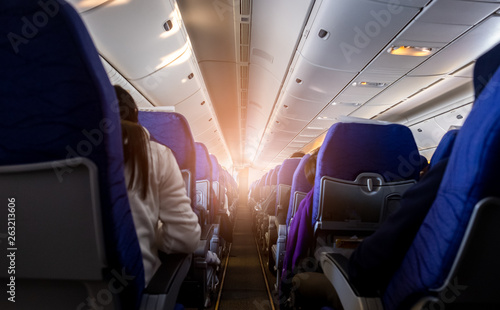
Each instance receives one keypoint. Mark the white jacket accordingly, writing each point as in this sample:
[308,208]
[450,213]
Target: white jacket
[164,220]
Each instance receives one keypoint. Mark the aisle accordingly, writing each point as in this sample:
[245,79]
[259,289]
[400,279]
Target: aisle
[244,286]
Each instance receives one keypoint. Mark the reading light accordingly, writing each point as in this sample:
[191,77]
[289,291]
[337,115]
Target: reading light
[410,50]
[369,84]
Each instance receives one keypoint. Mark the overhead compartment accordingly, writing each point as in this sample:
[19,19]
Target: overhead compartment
[193,108]
[173,83]
[287,124]
[117,79]
[310,82]
[337,40]
[454,117]
[369,111]
[298,109]
[262,92]
[146,45]
[427,134]
[276,28]
[86,5]
[208,137]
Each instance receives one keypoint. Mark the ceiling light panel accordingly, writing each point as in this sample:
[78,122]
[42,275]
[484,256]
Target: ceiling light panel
[415,51]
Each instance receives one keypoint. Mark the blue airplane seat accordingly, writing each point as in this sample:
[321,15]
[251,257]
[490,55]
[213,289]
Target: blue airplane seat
[300,187]
[284,184]
[216,184]
[443,150]
[433,260]
[350,149]
[172,130]
[203,185]
[58,104]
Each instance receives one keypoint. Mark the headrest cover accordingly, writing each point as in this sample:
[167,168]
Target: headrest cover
[57,103]
[285,175]
[274,175]
[299,183]
[172,130]
[203,162]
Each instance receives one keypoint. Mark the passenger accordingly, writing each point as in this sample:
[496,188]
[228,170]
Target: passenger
[160,208]
[424,166]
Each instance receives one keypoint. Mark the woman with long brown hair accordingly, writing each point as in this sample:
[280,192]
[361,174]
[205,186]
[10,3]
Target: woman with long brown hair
[160,207]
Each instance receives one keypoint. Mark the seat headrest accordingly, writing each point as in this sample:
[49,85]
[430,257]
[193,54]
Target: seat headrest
[274,175]
[285,175]
[350,149]
[172,129]
[203,162]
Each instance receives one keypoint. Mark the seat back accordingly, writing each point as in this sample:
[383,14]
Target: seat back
[284,184]
[471,175]
[58,104]
[367,166]
[300,188]
[78,257]
[273,180]
[203,175]
[217,184]
[172,130]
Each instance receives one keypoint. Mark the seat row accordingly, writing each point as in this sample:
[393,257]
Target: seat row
[363,170]
[61,165]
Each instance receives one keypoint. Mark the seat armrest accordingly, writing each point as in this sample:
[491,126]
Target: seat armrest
[335,269]
[280,246]
[164,287]
[207,232]
[202,248]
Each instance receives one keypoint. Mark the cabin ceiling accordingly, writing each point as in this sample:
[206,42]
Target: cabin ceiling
[258,79]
